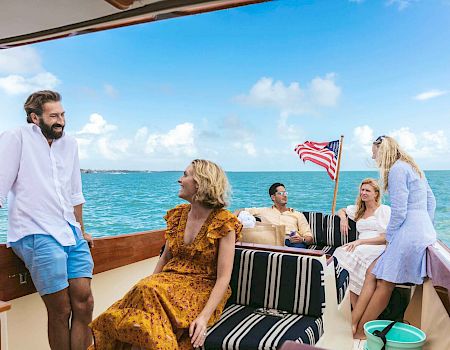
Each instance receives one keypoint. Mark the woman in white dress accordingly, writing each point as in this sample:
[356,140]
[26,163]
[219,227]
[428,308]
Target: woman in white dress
[371,219]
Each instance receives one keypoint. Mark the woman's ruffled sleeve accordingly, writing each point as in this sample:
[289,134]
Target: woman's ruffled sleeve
[224,222]
[172,218]
[351,211]
[383,215]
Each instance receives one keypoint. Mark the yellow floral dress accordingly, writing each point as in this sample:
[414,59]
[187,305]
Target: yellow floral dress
[157,311]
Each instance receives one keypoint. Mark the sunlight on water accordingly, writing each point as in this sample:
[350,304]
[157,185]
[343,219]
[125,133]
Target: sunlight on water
[134,202]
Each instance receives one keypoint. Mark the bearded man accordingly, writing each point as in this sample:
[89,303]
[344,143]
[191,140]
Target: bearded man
[40,174]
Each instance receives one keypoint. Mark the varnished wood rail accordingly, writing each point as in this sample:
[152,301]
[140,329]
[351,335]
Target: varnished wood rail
[108,253]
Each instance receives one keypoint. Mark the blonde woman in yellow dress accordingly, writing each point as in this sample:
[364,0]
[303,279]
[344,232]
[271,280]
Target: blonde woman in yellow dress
[172,308]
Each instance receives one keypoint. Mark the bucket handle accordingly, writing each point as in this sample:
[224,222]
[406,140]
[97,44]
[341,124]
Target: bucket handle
[382,334]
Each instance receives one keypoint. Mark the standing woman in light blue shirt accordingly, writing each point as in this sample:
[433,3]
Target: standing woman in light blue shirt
[40,174]
[409,232]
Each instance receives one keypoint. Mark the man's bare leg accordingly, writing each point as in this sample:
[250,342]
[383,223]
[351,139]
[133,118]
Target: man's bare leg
[82,304]
[377,304]
[58,313]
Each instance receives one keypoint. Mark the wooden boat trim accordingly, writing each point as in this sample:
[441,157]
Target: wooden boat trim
[4,306]
[108,253]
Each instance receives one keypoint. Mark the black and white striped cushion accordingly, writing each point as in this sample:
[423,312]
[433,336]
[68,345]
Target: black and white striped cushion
[241,328]
[342,280]
[291,283]
[332,232]
[328,249]
[315,223]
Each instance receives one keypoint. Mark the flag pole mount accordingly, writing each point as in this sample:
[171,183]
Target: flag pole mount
[336,183]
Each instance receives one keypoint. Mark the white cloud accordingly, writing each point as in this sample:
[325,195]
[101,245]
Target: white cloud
[292,99]
[17,84]
[288,131]
[23,72]
[406,138]
[98,140]
[113,149]
[324,91]
[20,60]
[425,144]
[430,94]
[177,141]
[363,138]
[97,126]
[247,147]
[437,139]
[401,4]
[83,146]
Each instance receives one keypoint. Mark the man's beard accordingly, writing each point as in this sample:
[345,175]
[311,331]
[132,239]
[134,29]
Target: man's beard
[49,132]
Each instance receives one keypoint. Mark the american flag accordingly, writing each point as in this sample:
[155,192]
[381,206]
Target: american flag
[322,153]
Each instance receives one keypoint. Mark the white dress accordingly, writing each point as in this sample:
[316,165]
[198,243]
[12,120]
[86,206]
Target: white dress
[357,262]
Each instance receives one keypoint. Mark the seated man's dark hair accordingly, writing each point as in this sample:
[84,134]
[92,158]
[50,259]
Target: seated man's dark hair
[273,188]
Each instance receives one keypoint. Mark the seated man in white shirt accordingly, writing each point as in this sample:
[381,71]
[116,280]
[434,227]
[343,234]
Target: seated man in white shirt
[298,232]
[40,173]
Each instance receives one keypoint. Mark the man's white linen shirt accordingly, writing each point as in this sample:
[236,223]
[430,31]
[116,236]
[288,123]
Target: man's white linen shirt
[42,183]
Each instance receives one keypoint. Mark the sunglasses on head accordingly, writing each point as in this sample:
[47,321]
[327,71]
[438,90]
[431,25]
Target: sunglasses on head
[379,139]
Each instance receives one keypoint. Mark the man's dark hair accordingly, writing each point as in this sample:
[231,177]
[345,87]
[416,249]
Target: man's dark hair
[273,188]
[36,100]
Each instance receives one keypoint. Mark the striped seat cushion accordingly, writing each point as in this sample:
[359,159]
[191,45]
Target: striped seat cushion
[342,280]
[315,223]
[328,249]
[292,283]
[241,328]
[332,232]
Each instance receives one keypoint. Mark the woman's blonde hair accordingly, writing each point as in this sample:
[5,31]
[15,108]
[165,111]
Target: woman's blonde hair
[389,151]
[213,187]
[360,204]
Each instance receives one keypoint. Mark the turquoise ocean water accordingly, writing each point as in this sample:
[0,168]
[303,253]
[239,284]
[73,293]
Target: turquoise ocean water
[118,203]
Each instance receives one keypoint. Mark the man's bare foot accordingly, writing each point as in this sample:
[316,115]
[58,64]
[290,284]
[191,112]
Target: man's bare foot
[354,328]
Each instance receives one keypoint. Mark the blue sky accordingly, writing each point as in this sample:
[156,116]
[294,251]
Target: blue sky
[244,86]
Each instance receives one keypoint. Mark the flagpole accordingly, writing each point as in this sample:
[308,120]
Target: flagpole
[336,183]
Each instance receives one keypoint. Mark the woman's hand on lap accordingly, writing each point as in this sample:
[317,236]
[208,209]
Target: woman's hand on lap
[351,246]
[197,331]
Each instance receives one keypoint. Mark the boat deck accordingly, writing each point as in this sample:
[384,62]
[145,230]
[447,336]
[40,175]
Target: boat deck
[359,344]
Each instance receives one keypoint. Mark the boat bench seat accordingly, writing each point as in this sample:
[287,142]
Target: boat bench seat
[327,237]
[326,232]
[342,280]
[275,297]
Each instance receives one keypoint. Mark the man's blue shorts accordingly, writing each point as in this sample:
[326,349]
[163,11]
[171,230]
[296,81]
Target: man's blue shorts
[51,265]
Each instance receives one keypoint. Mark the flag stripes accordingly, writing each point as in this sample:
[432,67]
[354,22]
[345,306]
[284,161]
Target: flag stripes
[321,153]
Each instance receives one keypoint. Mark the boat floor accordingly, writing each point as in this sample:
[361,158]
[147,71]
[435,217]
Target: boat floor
[358,344]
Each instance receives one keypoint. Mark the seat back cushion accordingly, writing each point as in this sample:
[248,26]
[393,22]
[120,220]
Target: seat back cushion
[315,223]
[264,234]
[332,232]
[292,283]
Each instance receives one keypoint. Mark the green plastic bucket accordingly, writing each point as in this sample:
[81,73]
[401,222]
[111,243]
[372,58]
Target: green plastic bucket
[401,336]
